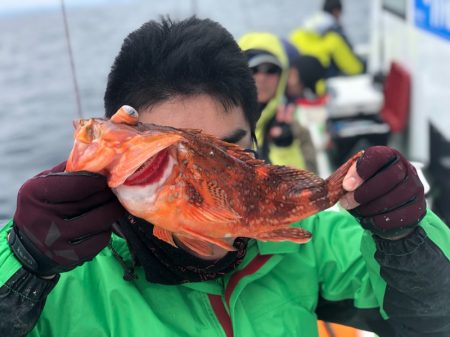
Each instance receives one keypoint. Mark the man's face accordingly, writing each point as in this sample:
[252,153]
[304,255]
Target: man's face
[266,76]
[201,112]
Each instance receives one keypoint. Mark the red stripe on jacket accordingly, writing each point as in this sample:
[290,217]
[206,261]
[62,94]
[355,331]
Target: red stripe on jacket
[222,314]
[252,267]
[216,300]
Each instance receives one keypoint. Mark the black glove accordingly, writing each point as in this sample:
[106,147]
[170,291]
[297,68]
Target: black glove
[391,198]
[62,220]
[281,125]
[286,137]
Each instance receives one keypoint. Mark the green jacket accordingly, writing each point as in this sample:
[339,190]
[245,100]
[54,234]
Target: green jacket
[279,289]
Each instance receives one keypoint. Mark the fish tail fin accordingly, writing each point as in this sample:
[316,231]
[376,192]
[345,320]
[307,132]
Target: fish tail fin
[334,182]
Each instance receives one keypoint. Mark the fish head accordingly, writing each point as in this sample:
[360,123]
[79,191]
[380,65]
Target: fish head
[90,151]
[121,148]
[169,177]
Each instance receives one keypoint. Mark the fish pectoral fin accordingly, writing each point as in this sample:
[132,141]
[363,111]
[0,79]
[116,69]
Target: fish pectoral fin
[164,235]
[294,234]
[195,236]
[200,247]
[209,214]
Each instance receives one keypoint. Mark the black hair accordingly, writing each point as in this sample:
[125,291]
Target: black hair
[310,71]
[331,5]
[165,59]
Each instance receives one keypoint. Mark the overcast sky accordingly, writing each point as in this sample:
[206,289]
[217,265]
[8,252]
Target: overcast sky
[13,6]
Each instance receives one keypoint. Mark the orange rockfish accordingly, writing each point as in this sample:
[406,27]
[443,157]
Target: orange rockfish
[198,187]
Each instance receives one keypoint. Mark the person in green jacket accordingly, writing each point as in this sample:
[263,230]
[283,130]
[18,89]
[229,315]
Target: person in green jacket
[74,263]
[281,139]
[322,36]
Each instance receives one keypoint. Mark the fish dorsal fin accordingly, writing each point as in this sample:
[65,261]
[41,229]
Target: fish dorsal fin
[290,173]
[164,235]
[287,171]
[294,234]
[295,180]
[231,149]
[125,115]
[240,153]
[193,131]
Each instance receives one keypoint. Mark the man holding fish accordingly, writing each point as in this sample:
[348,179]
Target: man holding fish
[162,223]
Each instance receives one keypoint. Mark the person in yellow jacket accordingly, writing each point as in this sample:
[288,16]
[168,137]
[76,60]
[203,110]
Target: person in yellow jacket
[281,139]
[323,37]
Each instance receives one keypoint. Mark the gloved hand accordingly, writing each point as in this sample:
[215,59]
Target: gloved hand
[62,220]
[281,130]
[386,194]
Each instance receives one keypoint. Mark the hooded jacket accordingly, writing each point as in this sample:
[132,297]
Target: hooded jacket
[299,153]
[321,36]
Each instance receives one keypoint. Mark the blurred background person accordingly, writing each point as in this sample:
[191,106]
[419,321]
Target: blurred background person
[281,139]
[322,35]
[306,79]
[306,75]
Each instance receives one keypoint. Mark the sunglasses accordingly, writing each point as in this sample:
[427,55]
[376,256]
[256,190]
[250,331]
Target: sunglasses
[266,68]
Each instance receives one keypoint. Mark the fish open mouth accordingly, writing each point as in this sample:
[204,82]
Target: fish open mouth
[151,171]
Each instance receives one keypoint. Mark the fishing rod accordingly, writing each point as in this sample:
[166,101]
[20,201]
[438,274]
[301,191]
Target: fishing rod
[194,7]
[72,62]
